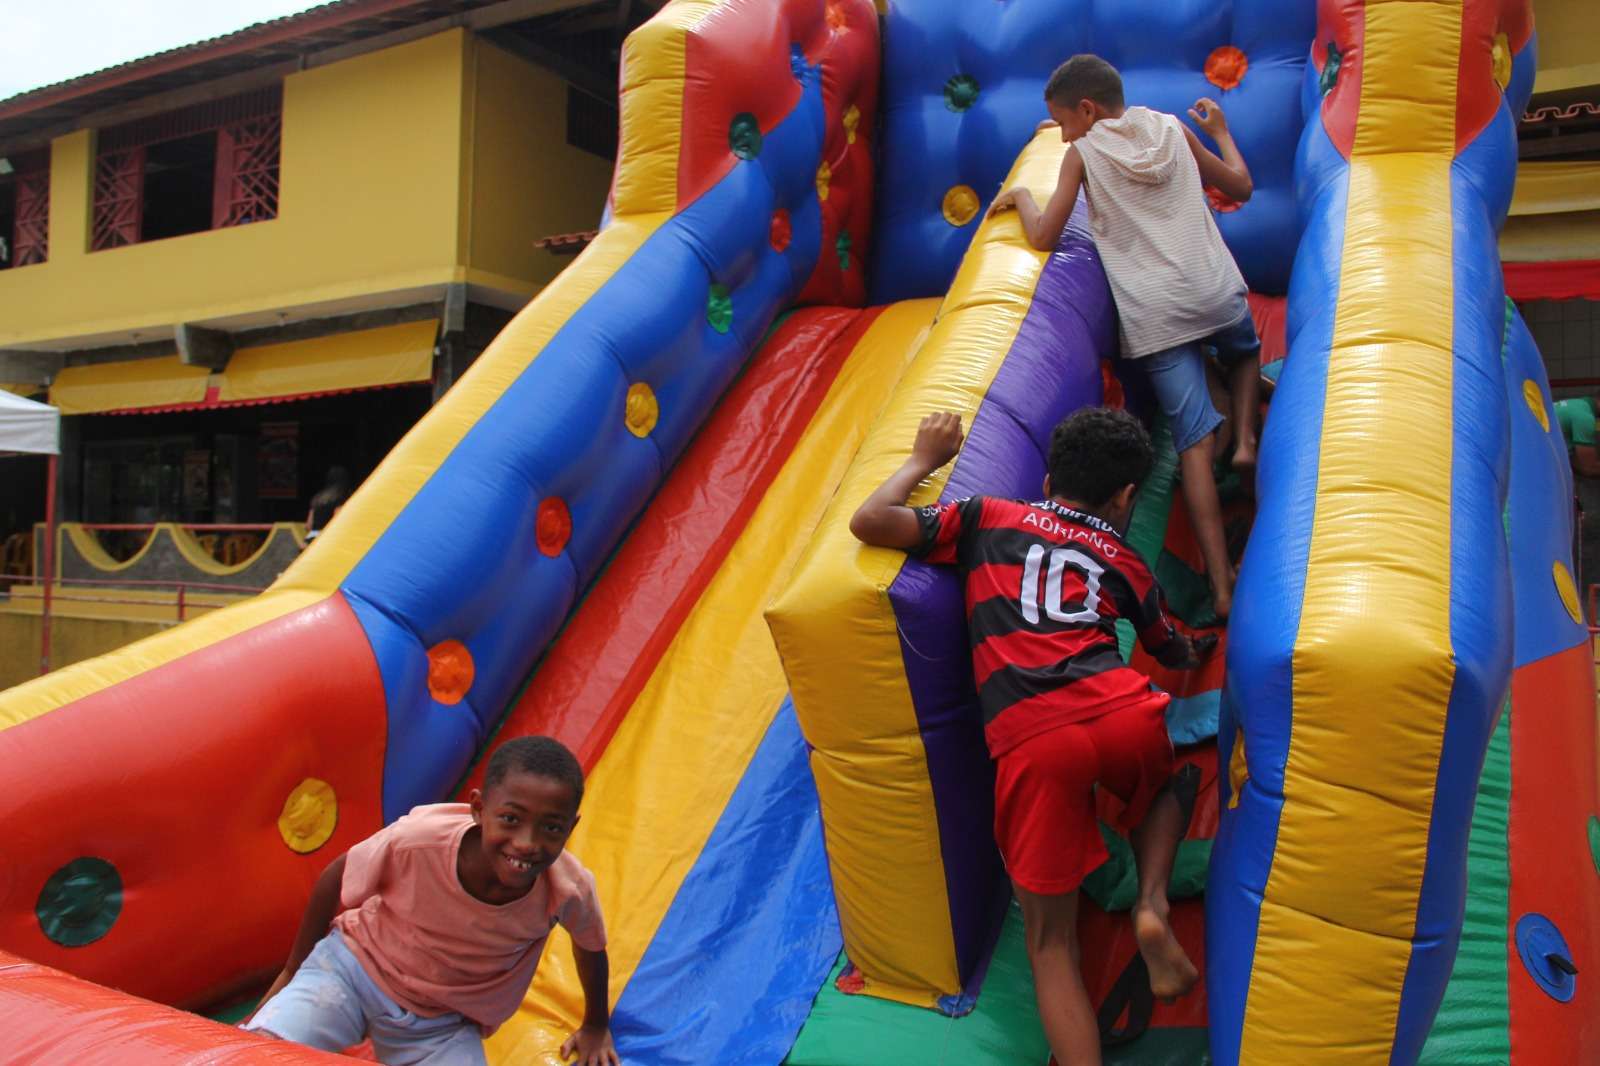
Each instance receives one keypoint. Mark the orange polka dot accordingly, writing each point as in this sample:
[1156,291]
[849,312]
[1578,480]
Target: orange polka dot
[450,671]
[1225,67]
[838,21]
[782,230]
[553,527]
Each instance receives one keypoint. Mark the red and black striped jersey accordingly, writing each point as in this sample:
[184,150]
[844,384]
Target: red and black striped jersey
[1045,585]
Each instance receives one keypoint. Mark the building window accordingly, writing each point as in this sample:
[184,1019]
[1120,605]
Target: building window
[591,123]
[25,209]
[204,167]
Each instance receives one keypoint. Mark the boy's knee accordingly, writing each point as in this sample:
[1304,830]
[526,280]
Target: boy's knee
[1050,922]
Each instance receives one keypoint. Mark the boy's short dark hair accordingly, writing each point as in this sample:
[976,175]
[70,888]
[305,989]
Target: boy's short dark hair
[544,756]
[1096,451]
[1085,77]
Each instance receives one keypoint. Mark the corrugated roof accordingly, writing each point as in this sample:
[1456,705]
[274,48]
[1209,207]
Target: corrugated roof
[23,98]
[329,25]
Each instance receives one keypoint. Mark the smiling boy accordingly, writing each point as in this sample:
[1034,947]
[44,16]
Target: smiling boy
[438,922]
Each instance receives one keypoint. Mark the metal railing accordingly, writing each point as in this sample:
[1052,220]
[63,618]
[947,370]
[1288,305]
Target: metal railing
[180,591]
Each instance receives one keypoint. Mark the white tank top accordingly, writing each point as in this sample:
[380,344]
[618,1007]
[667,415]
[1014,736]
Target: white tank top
[1173,279]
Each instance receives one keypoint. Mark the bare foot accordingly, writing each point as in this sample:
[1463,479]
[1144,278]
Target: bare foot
[1171,972]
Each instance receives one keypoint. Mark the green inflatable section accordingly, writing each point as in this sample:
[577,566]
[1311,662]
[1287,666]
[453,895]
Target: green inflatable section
[1002,1029]
[1474,1021]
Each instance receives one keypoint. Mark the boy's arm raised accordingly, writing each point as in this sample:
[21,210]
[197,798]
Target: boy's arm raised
[1043,228]
[884,520]
[320,912]
[1228,174]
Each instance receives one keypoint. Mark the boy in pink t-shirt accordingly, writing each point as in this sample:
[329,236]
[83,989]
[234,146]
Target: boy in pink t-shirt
[438,922]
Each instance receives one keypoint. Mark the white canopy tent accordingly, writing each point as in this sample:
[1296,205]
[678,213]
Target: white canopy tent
[28,427]
[31,428]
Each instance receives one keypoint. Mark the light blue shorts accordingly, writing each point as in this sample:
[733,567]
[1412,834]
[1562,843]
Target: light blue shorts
[1178,376]
[332,1004]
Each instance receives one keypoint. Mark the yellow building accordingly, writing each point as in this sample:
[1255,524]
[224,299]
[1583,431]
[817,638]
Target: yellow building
[1551,242]
[239,264]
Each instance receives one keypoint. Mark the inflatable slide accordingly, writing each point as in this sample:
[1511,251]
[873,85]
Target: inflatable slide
[626,527]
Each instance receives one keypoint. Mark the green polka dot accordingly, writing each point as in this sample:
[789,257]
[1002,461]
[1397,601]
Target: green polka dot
[744,135]
[960,92]
[719,309]
[1594,842]
[1330,69]
[842,246]
[80,903]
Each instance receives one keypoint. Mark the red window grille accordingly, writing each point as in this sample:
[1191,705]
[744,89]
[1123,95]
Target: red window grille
[245,184]
[247,172]
[118,198]
[30,237]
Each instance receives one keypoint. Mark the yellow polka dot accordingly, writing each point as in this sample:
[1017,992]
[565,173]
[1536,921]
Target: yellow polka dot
[642,412]
[1502,60]
[309,816]
[1532,393]
[1568,591]
[960,205]
[852,120]
[824,176]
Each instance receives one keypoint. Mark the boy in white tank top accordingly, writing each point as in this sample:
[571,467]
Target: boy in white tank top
[1177,289]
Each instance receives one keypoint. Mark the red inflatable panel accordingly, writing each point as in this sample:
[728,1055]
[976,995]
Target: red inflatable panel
[1341,105]
[49,1018]
[603,658]
[175,748]
[1554,764]
[1108,947]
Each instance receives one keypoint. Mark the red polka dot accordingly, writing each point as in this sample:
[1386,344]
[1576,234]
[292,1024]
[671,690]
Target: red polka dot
[1226,66]
[1221,202]
[852,982]
[782,230]
[554,526]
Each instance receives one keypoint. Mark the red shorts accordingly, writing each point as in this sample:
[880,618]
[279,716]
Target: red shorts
[1044,804]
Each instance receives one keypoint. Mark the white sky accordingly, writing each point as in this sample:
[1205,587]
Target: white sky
[46,41]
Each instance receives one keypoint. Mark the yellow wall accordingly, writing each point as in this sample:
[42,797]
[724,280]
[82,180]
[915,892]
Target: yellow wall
[371,172]
[525,181]
[73,640]
[1555,213]
[1569,44]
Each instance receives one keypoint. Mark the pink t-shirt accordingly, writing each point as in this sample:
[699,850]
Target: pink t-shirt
[431,945]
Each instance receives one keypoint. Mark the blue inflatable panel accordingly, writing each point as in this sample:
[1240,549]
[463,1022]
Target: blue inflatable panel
[963,89]
[752,933]
[1539,515]
[558,431]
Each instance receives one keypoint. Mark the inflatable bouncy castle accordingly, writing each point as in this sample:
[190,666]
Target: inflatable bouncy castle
[626,527]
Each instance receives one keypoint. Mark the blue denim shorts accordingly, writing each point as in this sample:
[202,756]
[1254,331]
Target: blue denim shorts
[332,1004]
[1178,376]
